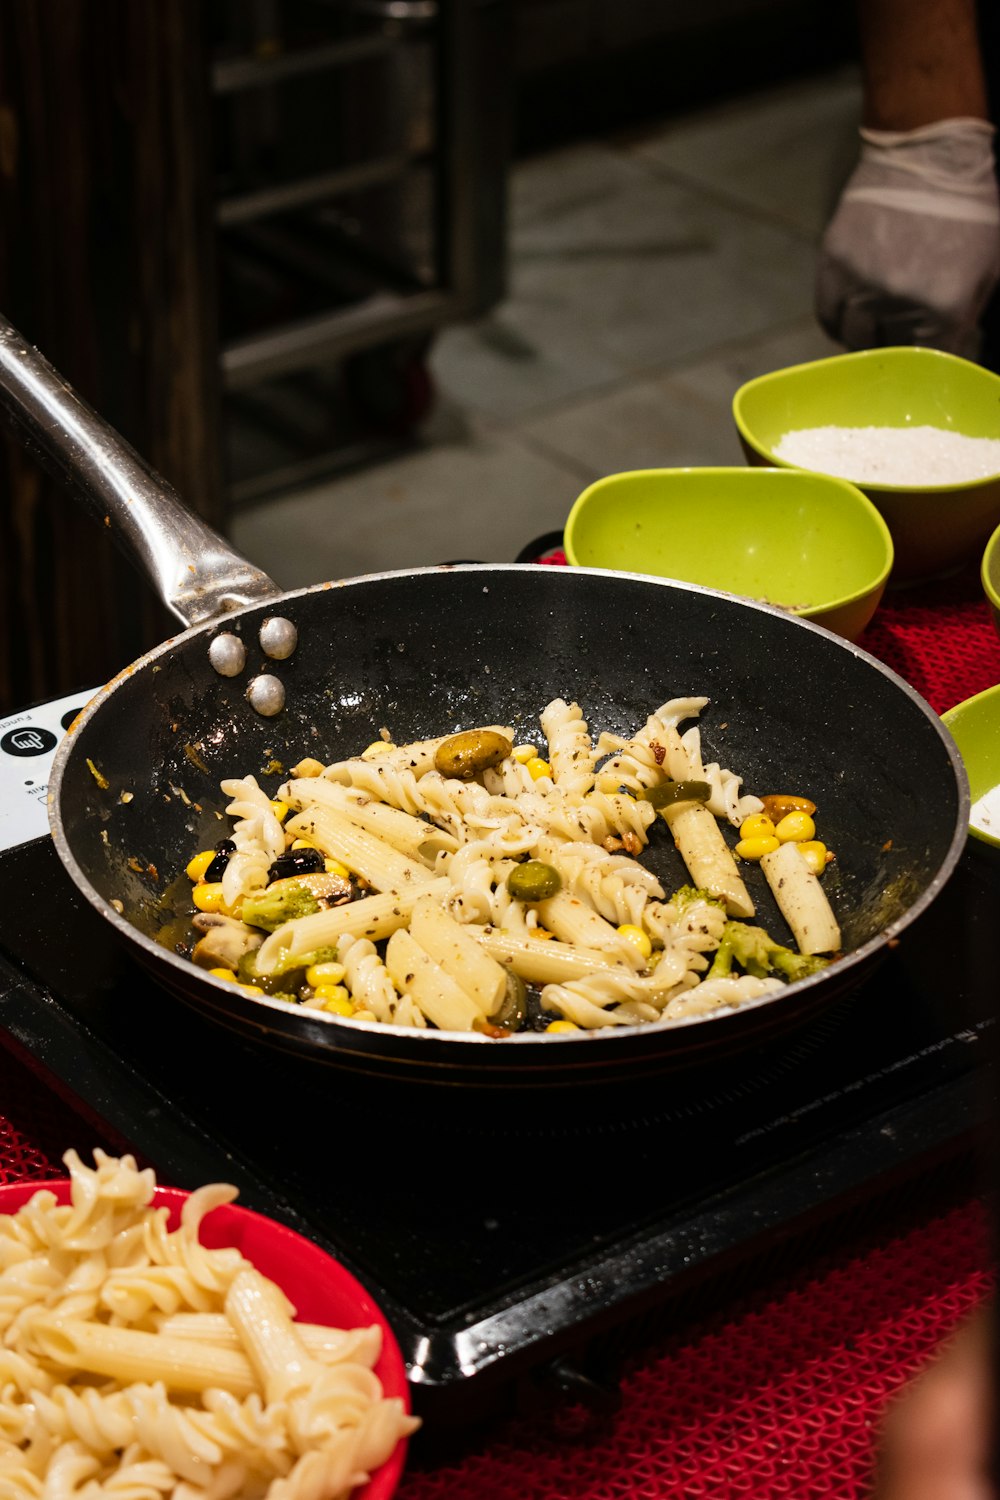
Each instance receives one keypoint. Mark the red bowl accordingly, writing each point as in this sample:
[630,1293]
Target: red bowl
[321,1290]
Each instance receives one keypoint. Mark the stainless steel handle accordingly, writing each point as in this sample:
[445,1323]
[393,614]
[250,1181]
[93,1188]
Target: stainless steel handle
[195,572]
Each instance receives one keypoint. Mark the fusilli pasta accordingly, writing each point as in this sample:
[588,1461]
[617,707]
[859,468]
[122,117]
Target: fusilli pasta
[405,821]
[82,1283]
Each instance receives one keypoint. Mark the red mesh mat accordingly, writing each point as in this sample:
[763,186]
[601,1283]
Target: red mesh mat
[779,1395]
[36,1127]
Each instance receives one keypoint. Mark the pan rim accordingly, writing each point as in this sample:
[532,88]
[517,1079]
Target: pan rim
[247,1005]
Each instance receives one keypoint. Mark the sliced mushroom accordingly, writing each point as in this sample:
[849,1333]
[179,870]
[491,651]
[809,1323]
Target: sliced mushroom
[329,890]
[225,941]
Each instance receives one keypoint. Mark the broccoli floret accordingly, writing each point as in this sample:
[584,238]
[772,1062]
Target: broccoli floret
[288,975]
[283,901]
[688,894]
[747,947]
[755,952]
[722,963]
[287,964]
[794,965]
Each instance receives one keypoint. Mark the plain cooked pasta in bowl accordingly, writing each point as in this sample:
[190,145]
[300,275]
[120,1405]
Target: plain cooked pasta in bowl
[475,883]
[143,1360]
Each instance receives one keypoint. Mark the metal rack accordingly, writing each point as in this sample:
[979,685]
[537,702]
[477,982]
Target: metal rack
[361,149]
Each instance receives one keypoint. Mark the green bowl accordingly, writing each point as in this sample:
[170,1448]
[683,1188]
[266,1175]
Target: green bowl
[975,727]
[934,528]
[807,542]
[990,574]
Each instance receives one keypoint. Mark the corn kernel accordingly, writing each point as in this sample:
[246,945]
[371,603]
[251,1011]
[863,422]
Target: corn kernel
[280,809]
[302,844]
[251,989]
[523,753]
[308,767]
[365,1015]
[816,855]
[322,974]
[755,849]
[334,991]
[557,1026]
[542,932]
[757,826]
[636,937]
[196,867]
[377,748]
[334,998]
[795,828]
[334,867]
[537,767]
[208,896]
[227,974]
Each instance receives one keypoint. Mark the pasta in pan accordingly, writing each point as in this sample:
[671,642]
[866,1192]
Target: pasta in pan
[135,1362]
[401,864]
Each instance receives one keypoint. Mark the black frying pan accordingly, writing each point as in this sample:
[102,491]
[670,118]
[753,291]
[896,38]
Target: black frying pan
[135,787]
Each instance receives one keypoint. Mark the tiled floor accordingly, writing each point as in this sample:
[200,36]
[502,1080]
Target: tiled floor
[649,276]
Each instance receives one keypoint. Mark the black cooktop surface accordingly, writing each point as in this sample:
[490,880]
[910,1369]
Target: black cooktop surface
[495,1227]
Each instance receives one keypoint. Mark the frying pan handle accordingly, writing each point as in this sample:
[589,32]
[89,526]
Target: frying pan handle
[194,571]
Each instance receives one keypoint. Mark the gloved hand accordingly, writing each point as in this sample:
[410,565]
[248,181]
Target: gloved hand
[912,253]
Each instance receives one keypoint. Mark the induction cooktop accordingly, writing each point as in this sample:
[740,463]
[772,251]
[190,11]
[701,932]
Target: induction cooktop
[501,1230]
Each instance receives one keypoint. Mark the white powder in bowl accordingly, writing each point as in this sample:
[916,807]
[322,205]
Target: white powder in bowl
[985,814]
[892,455]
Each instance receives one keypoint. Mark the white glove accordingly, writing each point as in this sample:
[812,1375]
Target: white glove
[912,253]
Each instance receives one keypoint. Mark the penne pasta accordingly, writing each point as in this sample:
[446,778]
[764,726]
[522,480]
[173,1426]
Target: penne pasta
[403,832]
[578,924]
[338,836]
[703,849]
[801,900]
[539,961]
[448,943]
[324,1344]
[128,1354]
[414,973]
[269,1338]
[373,917]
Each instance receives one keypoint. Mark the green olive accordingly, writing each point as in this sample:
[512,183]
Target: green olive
[513,1008]
[670,792]
[288,982]
[533,881]
[472,751]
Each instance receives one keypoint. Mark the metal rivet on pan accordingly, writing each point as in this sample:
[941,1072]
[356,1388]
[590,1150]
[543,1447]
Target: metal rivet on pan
[278,637]
[228,655]
[267,695]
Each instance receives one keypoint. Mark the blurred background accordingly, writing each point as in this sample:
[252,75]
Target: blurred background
[384,283]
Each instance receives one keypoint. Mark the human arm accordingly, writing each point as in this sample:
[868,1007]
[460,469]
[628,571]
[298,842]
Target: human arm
[921,63]
[912,252]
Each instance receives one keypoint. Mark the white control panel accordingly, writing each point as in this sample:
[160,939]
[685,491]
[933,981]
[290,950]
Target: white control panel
[28,742]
